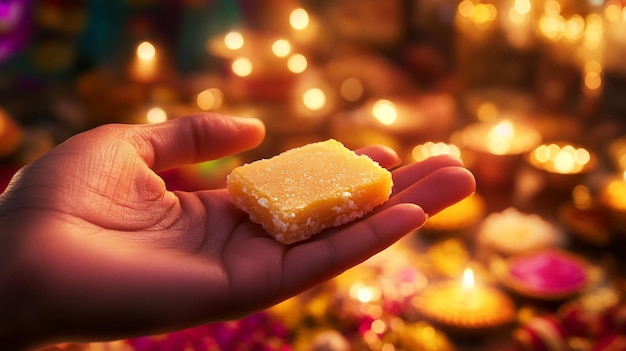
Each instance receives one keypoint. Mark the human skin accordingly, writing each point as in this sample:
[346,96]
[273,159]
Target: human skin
[94,247]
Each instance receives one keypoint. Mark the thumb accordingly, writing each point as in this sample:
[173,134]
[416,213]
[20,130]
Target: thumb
[196,138]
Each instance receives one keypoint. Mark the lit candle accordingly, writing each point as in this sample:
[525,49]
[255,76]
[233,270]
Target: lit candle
[468,281]
[501,138]
[562,158]
[312,99]
[493,150]
[406,118]
[144,67]
[305,28]
[465,306]
[429,149]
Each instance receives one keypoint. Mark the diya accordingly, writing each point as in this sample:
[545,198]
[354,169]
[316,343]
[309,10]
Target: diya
[464,308]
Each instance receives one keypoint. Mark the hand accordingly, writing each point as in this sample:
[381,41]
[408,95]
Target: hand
[94,247]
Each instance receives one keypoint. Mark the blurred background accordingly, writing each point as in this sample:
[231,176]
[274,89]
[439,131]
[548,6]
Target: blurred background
[529,93]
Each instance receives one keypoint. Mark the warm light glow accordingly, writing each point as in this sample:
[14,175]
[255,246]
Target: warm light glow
[614,195]
[574,28]
[297,63]
[613,11]
[552,27]
[581,195]
[593,66]
[428,149]
[517,17]
[146,51]
[351,89]
[242,67]
[299,19]
[564,160]
[156,115]
[593,76]
[503,138]
[385,112]
[378,326]
[210,99]
[468,279]
[483,13]
[593,81]
[465,8]
[552,8]
[502,130]
[234,40]
[522,6]
[314,99]
[281,47]
[594,32]
[364,293]
[500,137]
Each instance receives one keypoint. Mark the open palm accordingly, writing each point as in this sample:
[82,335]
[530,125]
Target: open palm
[95,247]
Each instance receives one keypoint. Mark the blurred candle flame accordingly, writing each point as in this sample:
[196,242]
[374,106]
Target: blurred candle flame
[385,112]
[500,137]
[281,47]
[468,279]
[242,67]
[297,63]
[314,99]
[299,19]
[146,51]
[234,40]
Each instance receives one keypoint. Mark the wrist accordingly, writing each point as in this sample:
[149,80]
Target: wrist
[20,321]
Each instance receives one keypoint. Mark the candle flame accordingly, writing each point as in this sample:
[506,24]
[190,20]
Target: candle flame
[297,63]
[468,279]
[567,159]
[428,149]
[500,137]
[242,67]
[364,293]
[146,51]
[385,112]
[234,40]
[314,99]
[503,130]
[281,47]
[299,19]
[156,115]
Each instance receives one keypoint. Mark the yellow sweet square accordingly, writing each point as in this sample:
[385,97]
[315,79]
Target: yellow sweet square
[302,191]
